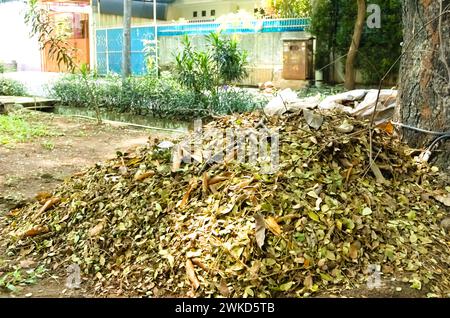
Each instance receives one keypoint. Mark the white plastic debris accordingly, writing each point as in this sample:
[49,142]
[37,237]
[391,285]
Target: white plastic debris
[386,104]
[288,101]
[345,127]
[352,103]
[165,144]
[359,103]
[313,119]
[340,100]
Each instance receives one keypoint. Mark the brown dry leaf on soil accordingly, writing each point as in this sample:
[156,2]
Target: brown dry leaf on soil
[190,272]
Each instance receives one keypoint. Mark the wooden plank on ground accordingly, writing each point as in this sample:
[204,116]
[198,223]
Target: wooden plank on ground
[28,101]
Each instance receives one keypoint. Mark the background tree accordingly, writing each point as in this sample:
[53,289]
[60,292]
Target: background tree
[290,8]
[354,45]
[425,75]
[126,65]
[45,28]
[333,22]
[324,25]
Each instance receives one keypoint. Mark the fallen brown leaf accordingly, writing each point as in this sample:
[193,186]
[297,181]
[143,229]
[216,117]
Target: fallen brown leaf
[190,272]
[260,230]
[50,203]
[272,225]
[37,230]
[144,175]
[96,229]
[199,263]
[43,196]
[223,288]
[27,263]
[217,179]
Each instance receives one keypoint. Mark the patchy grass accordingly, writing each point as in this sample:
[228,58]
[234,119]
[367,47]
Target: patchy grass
[48,145]
[12,181]
[17,128]
[323,91]
[20,277]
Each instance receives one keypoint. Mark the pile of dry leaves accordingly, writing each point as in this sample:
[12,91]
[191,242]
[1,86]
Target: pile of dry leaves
[148,225]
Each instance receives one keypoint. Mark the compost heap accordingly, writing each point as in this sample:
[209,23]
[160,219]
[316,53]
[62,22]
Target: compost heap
[321,223]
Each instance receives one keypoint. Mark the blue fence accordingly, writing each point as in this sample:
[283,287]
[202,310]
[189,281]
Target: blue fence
[109,41]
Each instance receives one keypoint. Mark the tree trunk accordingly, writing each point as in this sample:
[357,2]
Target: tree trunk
[354,46]
[424,97]
[126,65]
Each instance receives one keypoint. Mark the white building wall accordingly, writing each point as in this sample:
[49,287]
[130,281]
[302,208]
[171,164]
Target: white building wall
[15,42]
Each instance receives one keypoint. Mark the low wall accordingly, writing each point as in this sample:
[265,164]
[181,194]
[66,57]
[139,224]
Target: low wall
[265,53]
[262,39]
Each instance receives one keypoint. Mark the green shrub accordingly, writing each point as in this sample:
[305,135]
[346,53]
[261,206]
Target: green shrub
[231,100]
[195,69]
[204,72]
[230,61]
[163,96]
[10,87]
[139,95]
[2,68]
[70,92]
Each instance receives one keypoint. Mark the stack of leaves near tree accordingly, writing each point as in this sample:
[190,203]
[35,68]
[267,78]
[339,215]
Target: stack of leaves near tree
[144,224]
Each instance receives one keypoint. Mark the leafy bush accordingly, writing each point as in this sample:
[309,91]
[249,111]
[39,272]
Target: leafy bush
[10,87]
[229,60]
[148,95]
[49,34]
[231,100]
[195,69]
[205,71]
[70,92]
[2,68]
[201,74]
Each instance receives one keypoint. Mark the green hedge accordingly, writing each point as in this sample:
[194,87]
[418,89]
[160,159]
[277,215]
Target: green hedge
[148,95]
[10,87]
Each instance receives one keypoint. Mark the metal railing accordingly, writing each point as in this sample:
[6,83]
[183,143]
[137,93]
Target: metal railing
[257,25]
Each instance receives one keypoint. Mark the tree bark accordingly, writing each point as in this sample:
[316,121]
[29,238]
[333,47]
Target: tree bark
[349,82]
[126,65]
[424,96]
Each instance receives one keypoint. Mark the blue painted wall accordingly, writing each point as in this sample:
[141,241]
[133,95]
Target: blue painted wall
[109,41]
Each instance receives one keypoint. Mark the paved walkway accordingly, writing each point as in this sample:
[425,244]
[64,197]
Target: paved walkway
[36,83]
